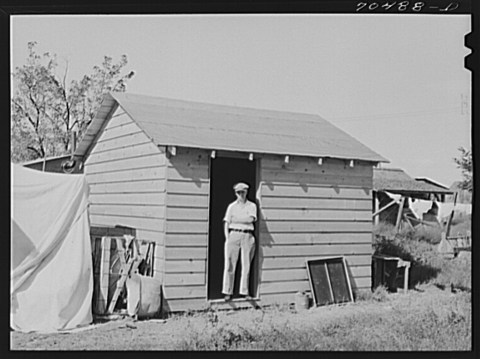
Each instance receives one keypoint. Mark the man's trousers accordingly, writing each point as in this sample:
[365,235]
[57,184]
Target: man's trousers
[238,242]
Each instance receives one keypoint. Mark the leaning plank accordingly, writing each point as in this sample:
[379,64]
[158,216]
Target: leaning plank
[104,275]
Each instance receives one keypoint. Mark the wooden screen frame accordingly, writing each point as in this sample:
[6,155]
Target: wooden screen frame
[310,261]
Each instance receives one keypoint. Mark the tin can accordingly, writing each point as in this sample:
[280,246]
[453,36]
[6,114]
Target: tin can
[301,301]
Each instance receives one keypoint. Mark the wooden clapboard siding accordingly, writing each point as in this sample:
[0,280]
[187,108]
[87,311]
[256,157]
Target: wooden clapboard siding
[186,240]
[315,238]
[299,261]
[294,189]
[343,226]
[149,173]
[184,279]
[287,274]
[130,199]
[136,150]
[309,211]
[317,250]
[141,210]
[290,286]
[312,178]
[184,304]
[124,140]
[269,202]
[188,186]
[191,291]
[187,213]
[185,266]
[155,186]
[145,161]
[186,253]
[307,214]
[186,232]
[330,166]
[126,173]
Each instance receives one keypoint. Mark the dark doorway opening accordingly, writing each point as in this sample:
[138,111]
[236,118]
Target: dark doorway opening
[224,173]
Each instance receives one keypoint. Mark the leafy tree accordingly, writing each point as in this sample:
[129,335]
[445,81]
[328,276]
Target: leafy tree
[46,109]
[464,162]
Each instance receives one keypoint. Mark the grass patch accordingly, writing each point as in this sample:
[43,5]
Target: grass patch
[427,265]
[423,325]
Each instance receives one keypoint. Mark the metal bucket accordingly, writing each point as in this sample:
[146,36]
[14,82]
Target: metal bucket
[301,301]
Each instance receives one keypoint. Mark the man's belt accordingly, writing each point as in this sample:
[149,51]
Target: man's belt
[240,230]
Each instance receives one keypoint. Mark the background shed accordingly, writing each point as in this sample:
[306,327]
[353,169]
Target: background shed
[397,181]
[166,168]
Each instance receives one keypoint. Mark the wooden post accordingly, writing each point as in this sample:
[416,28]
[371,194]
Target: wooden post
[399,215]
[450,218]
[384,208]
[408,222]
[376,219]
[405,277]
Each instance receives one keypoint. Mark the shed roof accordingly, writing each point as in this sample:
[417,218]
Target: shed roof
[395,179]
[220,127]
[429,180]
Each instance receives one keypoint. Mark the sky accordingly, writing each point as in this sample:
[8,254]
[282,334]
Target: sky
[397,83]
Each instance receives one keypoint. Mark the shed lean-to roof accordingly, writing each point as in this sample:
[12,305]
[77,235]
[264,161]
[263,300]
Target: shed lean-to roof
[219,127]
[396,180]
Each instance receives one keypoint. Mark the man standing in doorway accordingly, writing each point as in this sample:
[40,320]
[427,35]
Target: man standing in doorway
[238,228]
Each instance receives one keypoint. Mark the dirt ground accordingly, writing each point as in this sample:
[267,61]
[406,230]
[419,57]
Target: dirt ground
[165,334]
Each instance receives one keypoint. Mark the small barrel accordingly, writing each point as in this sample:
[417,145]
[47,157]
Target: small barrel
[301,301]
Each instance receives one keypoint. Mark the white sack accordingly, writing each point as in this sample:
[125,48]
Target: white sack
[51,279]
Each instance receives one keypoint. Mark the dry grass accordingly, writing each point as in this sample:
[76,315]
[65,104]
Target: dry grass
[426,321]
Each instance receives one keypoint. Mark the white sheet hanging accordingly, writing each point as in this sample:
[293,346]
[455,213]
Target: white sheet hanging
[420,207]
[51,279]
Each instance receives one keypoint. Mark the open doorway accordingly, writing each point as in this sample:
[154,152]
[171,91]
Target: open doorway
[224,173]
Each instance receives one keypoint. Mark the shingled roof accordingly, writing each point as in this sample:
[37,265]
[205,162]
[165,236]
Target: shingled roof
[396,180]
[219,127]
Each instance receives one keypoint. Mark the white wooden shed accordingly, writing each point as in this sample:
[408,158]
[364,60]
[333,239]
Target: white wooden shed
[166,168]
